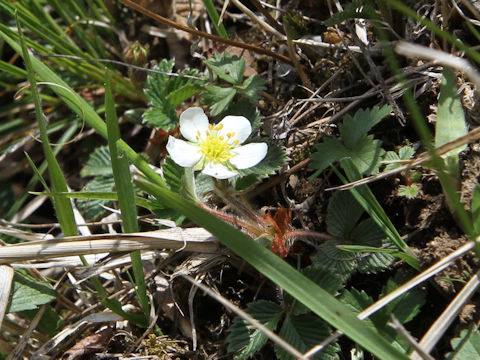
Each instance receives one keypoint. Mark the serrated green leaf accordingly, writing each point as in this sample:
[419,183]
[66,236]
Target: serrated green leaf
[331,257]
[158,118]
[327,279]
[92,208]
[156,85]
[466,346]
[343,212]
[409,192]
[227,67]
[406,306]
[404,153]
[177,96]
[172,172]
[98,163]
[367,155]
[245,342]
[252,88]
[327,152]
[352,129]
[29,293]
[218,98]
[450,123]
[303,332]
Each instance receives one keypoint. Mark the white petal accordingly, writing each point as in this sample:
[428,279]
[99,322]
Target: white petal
[192,121]
[239,126]
[218,171]
[183,153]
[249,155]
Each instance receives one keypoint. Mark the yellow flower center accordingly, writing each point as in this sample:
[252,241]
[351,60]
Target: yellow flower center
[216,148]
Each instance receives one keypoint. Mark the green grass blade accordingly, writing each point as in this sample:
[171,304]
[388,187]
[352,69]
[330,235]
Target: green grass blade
[369,202]
[126,195]
[277,270]
[84,110]
[63,207]
[214,17]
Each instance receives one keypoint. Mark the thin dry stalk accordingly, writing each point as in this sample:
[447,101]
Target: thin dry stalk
[192,239]
[438,328]
[6,278]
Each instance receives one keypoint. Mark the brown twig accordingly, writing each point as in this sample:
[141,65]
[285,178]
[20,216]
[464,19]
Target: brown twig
[175,25]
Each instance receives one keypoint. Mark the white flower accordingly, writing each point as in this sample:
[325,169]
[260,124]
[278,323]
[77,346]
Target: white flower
[215,149]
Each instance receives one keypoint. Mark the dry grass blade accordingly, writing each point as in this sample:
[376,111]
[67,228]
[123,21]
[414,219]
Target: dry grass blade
[420,278]
[440,57]
[472,136]
[6,278]
[439,327]
[193,239]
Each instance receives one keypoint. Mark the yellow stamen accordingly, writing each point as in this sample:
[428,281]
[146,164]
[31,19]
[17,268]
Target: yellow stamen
[236,142]
[210,126]
[219,127]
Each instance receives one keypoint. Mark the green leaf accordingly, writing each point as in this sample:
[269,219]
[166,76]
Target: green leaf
[49,322]
[252,88]
[92,208]
[272,267]
[354,128]
[218,98]
[343,213]
[450,123]
[29,293]
[326,278]
[466,346]
[227,67]
[157,83]
[172,172]
[156,117]
[409,192]
[303,332]
[245,342]
[404,153]
[214,17]
[177,96]
[328,152]
[98,163]
[367,155]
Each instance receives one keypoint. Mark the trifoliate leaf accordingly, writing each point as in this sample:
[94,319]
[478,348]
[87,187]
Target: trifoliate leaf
[98,163]
[218,98]
[227,67]
[466,346]
[166,93]
[252,88]
[244,341]
[331,257]
[303,332]
[354,128]
[29,293]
